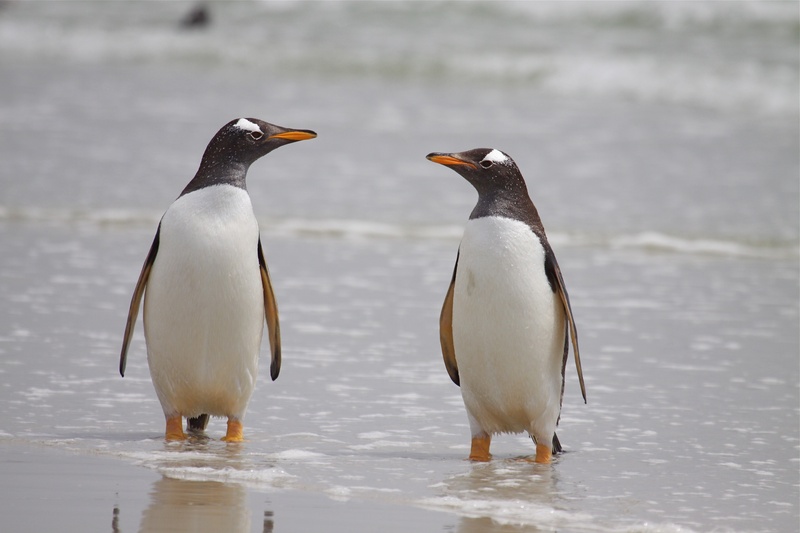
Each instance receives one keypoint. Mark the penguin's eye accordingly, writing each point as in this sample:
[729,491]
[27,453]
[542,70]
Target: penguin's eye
[486,163]
[255,135]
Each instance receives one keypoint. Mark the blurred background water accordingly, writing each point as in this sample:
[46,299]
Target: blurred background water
[660,142]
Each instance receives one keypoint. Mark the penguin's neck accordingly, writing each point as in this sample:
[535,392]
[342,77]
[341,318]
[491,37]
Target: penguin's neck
[509,203]
[218,172]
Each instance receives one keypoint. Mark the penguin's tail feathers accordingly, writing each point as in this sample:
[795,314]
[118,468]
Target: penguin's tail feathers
[199,423]
[556,444]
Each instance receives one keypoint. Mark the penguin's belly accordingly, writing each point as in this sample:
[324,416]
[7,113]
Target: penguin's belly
[204,306]
[508,329]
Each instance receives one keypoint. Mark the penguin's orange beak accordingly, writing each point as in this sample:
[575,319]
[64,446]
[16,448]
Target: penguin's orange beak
[294,135]
[449,160]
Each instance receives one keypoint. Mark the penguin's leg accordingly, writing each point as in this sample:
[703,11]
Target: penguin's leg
[543,427]
[554,450]
[543,453]
[481,440]
[175,428]
[235,430]
[479,451]
[545,446]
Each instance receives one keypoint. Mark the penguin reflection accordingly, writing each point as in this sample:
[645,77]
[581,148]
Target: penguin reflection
[197,506]
[501,483]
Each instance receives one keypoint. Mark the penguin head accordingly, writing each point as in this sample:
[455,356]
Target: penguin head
[245,140]
[236,146]
[488,170]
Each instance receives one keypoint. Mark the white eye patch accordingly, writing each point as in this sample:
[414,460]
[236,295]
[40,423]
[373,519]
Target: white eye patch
[244,124]
[496,156]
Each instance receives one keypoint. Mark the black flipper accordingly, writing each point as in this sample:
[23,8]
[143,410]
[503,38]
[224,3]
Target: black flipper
[553,272]
[138,292]
[446,331]
[271,315]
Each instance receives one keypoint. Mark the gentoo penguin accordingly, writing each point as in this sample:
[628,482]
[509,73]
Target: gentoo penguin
[506,319]
[207,289]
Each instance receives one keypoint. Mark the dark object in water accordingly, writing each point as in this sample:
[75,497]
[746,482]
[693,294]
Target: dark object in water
[198,17]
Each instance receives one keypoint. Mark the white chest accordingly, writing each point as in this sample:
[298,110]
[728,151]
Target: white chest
[208,253]
[219,217]
[508,328]
[501,263]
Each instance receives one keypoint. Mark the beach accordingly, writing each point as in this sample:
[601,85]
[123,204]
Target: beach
[659,143]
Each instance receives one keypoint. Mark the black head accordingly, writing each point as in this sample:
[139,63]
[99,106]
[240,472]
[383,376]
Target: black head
[236,146]
[487,169]
[500,185]
[244,140]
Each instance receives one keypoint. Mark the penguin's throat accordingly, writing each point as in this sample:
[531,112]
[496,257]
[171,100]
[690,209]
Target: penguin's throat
[219,173]
[501,202]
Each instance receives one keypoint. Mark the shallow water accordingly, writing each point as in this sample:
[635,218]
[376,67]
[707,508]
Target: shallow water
[673,215]
[692,388]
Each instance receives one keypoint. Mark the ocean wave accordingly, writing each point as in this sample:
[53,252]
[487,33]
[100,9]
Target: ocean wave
[729,57]
[652,241]
[66,216]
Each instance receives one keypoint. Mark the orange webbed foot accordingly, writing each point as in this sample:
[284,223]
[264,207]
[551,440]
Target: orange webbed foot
[235,431]
[479,450]
[174,430]
[543,454]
